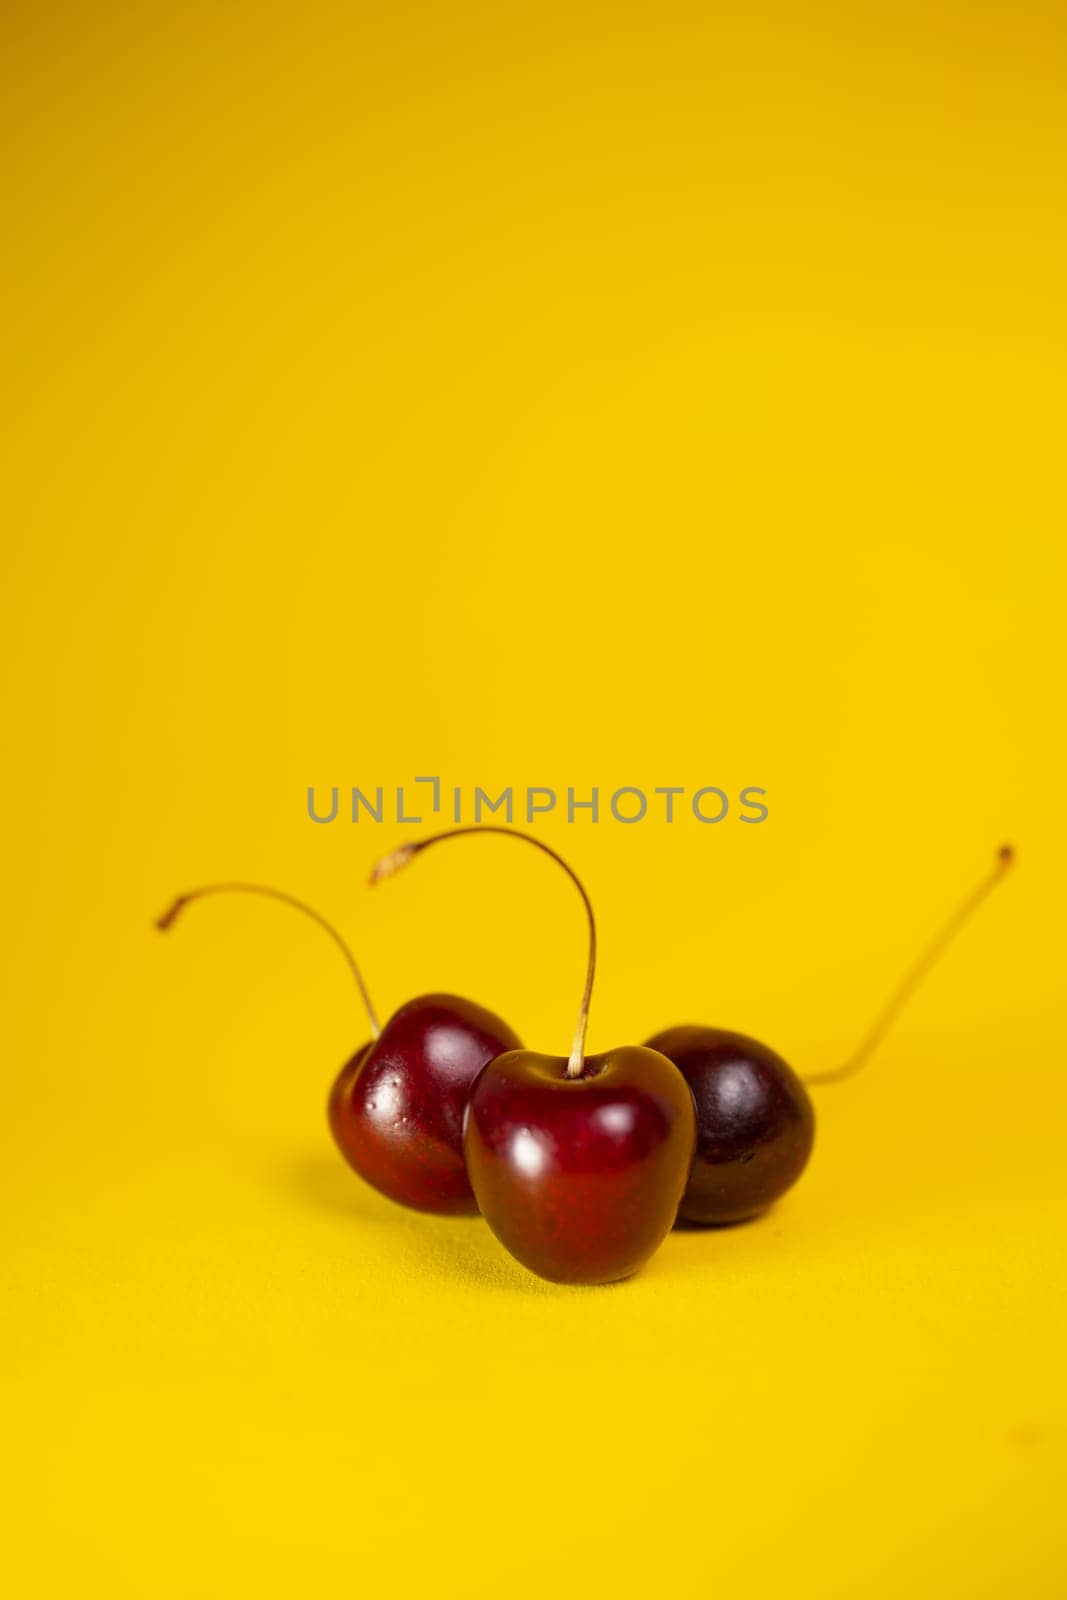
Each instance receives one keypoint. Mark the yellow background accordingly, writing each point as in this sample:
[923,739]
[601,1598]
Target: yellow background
[554,395]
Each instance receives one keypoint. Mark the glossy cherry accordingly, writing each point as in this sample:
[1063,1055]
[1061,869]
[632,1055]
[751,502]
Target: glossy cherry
[755,1122]
[396,1108]
[580,1177]
[578,1164]
[755,1119]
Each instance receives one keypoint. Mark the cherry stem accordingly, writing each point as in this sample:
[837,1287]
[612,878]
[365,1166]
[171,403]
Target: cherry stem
[390,864]
[917,974]
[173,912]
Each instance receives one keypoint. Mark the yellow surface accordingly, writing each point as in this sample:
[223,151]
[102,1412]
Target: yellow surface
[567,396]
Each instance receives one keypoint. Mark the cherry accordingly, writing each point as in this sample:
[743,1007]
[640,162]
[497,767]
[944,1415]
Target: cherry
[755,1119]
[755,1122]
[578,1164]
[396,1108]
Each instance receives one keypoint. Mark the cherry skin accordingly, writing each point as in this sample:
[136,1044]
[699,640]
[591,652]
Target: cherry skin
[754,1117]
[580,1177]
[396,1108]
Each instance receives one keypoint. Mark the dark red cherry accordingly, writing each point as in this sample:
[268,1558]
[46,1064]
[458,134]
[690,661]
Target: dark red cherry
[396,1109]
[755,1122]
[580,1177]
[578,1163]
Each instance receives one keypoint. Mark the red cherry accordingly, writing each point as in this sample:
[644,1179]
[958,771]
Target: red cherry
[755,1119]
[755,1122]
[577,1164]
[580,1177]
[396,1108]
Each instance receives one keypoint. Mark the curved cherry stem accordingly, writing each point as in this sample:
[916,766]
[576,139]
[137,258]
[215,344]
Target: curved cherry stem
[390,864]
[917,974]
[173,911]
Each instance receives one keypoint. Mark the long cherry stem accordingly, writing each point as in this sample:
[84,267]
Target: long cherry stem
[390,864]
[917,973]
[172,913]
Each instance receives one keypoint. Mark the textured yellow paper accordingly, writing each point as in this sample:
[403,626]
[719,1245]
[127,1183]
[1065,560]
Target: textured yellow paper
[559,395]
